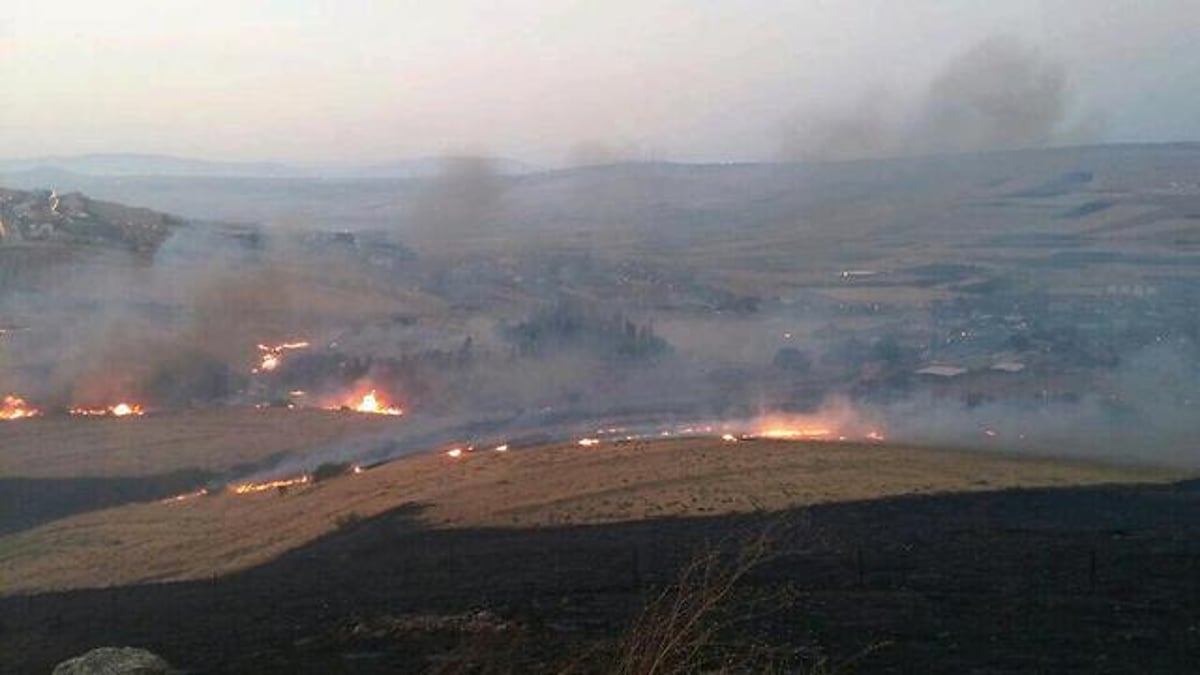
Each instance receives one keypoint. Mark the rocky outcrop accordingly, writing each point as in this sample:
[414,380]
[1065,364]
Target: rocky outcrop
[115,661]
[44,215]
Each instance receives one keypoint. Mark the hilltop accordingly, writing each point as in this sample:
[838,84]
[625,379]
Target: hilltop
[46,217]
[530,487]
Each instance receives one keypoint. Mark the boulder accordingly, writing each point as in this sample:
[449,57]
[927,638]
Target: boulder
[115,661]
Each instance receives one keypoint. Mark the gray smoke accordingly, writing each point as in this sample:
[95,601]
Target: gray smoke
[1001,94]
[462,200]
[108,327]
[1147,415]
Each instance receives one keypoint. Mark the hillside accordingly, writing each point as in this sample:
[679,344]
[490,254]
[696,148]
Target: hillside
[44,216]
[1124,210]
[534,487]
[537,559]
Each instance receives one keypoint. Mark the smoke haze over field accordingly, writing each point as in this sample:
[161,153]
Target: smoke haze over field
[496,282]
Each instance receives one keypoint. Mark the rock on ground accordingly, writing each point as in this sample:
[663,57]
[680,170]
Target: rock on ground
[115,661]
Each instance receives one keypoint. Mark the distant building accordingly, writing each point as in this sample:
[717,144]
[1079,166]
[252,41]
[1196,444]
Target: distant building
[1008,366]
[942,371]
[1131,290]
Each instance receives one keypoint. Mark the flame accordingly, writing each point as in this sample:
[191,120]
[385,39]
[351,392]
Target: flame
[15,408]
[371,404]
[272,355]
[125,409]
[185,496]
[118,410]
[838,420]
[793,433]
[454,453]
[253,488]
[588,442]
[501,448]
[729,438]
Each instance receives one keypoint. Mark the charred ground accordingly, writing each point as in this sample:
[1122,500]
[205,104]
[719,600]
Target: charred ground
[941,583]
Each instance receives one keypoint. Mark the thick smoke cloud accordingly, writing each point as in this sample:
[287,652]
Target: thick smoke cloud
[1001,94]
[462,200]
[175,328]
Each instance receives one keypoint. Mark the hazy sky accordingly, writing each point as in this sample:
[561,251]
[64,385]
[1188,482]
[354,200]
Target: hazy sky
[352,80]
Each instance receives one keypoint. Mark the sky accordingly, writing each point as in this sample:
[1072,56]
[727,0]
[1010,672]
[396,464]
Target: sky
[316,81]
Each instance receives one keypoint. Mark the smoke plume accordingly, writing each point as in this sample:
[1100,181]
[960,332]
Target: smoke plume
[1001,94]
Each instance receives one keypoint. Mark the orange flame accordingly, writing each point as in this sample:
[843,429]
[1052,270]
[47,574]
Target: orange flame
[838,420]
[370,403]
[125,409]
[272,355]
[791,433]
[253,488]
[185,496]
[15,408]
[119,410]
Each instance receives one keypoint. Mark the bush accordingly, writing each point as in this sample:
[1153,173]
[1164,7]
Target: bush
[348,520]
[571,326]
[330,470]
[676,629]
[191,378]
[792,360]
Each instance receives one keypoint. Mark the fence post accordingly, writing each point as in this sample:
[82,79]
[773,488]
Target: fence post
[1092,570]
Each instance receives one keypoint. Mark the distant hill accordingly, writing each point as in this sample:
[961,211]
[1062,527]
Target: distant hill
[422,167]
[145,165]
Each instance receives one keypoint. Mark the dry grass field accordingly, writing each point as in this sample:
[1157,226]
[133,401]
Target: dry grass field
[562,484]
[209,440]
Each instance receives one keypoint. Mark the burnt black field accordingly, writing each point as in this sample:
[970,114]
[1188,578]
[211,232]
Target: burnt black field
[1052,580]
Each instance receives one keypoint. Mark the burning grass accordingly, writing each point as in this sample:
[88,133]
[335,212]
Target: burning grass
[264,486]
[116,410]
[369,402]
[271,356]
[15,408]
[562,484]
[214,440]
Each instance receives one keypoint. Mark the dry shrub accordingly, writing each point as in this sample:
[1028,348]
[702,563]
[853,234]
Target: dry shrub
[678,630]
[672,633]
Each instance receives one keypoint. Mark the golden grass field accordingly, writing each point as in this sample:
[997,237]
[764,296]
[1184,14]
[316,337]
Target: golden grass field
[562,484]
[211,440]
